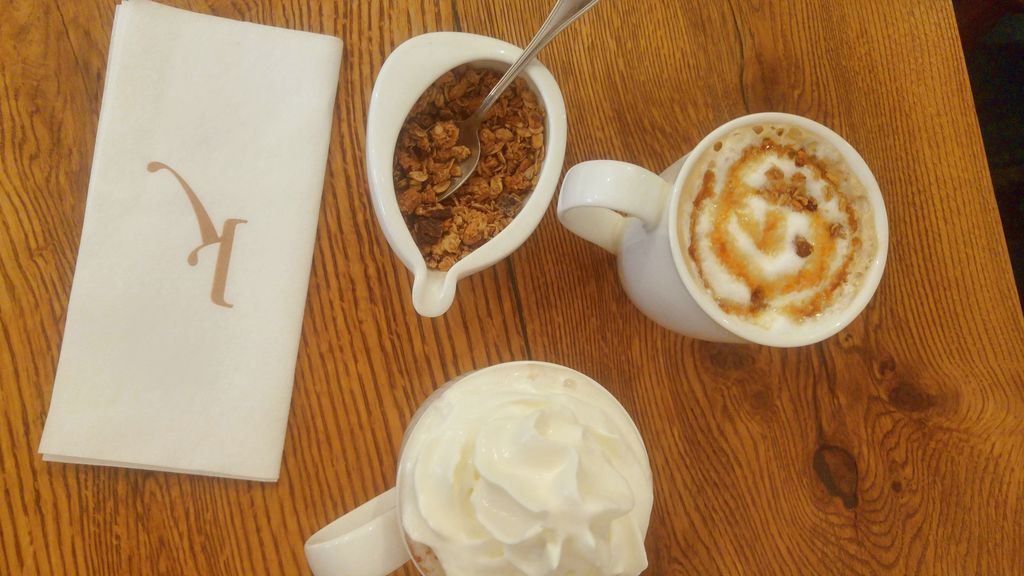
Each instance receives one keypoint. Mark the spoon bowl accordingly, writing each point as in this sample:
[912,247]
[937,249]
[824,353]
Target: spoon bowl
[469,136]
[564,13]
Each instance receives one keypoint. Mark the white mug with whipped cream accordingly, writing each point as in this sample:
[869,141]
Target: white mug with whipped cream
[771,230]
[524,468]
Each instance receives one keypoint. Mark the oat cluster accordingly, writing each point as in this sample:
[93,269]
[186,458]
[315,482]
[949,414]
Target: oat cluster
[792,192]
[427,157]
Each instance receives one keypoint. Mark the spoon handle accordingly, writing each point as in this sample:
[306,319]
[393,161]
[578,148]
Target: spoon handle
[564,13]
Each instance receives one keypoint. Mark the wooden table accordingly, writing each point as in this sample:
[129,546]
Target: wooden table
[896,446]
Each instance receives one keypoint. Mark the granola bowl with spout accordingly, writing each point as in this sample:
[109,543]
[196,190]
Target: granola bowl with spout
[407,73]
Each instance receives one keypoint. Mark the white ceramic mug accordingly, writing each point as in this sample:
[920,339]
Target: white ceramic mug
[371,540]
[631,212]
[408,72]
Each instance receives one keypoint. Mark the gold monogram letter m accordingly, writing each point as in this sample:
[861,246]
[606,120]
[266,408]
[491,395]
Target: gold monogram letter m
[209,236]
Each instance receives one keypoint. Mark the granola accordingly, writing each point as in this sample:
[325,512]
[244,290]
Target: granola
[427,158]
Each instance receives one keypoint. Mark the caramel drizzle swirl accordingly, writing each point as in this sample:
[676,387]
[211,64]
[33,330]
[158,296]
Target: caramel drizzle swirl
[818,250]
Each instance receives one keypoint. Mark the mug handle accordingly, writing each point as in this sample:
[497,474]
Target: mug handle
[367,541]
[597,197]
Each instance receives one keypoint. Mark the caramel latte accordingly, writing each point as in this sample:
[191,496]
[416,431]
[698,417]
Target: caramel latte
[776,226]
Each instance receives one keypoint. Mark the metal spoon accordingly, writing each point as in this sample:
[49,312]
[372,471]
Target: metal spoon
[564,13]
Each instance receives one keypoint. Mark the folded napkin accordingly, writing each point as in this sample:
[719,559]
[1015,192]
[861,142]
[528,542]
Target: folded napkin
[183,324]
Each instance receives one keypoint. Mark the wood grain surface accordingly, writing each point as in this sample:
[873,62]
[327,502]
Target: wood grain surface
[895,447]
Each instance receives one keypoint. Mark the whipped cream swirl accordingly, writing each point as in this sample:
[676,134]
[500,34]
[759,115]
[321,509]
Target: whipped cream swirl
[527,469]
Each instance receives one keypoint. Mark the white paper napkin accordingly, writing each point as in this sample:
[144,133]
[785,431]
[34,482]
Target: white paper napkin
[211,132]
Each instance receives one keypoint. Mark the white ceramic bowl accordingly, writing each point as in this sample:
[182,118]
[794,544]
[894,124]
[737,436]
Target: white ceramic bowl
[406,74]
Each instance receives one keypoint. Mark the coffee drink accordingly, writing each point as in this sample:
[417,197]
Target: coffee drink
[525,469]
[776,227]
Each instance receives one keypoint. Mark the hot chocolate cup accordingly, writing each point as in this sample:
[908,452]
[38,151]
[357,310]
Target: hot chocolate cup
[520,468]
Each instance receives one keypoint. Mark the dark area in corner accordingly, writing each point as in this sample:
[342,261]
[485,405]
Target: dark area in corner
[994,51]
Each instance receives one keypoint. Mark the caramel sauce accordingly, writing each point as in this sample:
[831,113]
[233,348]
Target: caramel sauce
[769,234]
[769,237]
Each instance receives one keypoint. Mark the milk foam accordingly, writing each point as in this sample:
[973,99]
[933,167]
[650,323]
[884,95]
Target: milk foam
[742,218]
[527,470]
